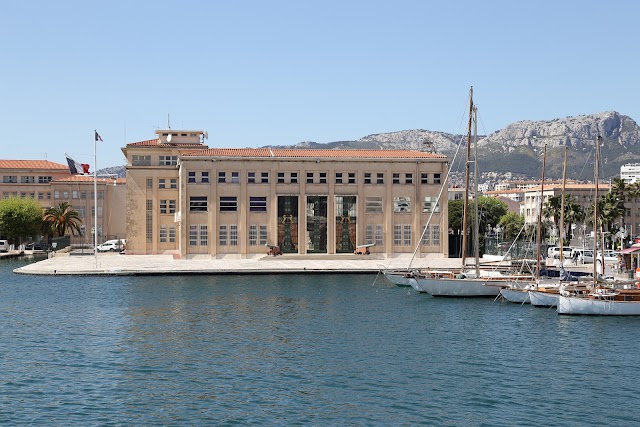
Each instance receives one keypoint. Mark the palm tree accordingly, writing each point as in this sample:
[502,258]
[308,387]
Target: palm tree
[573,214]
[57,220]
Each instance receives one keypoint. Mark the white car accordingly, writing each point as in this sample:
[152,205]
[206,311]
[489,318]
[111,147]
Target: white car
[109,246]
[610,257]
[554,252]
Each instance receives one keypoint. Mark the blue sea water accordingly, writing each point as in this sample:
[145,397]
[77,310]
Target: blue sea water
[300,350]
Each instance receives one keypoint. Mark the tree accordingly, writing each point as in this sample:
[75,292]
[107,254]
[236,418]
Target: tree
[455,216]
[573,213]
[19,218]
[511,224]
[58,220]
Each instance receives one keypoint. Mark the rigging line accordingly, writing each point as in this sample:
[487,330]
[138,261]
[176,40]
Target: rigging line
[444,183]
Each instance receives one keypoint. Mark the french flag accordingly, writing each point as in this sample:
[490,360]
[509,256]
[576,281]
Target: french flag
[77,168]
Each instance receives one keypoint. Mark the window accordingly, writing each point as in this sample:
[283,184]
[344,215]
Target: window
[172,234]
[198,204]
[44,179]
[368,234]
[162,183]
[235,177]
[149,183]
[65,195]
[228,203]
[397,234]
[74,194]
[251,177]
[424,178]
[258,204]
[396,178]
[367,178]
[173,183]
[100,194]
[373,205]
[191,177]
[27,179]
[204,235]
[426,236]
[172,206]
[435,235]
[379,235]
[168,160]
[402,204]
[280,177]
[149,223]
[253,235]
[294,177]
[309,177]
[140,160]
[222,177]
[338,177]
[193,235]
[204,177]
[10,179]
[222,235]
[56,194]
[406,234]
[380,178]
[163,234]
[264,178]
[408,178]
[430,205]
[233,235]
[323,177]
[163,206]
[352,177]
[263,235]
[436,178]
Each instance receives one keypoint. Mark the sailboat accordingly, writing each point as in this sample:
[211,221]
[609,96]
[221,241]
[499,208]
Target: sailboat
[475,283]
[602,300]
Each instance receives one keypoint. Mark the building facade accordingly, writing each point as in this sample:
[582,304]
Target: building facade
[51,184]
[186,199]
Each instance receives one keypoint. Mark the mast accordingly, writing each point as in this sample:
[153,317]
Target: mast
[564,182]
[539,234]
[476,234]
[595,212]
[465,206]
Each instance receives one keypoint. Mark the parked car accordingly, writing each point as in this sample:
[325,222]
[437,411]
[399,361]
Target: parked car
[554,252]
[4,246]
[109,246]
[610,257]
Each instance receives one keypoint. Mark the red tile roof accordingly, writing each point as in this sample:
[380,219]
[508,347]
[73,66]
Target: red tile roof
[31,164]
[311,153]
[590,186]
[156,143]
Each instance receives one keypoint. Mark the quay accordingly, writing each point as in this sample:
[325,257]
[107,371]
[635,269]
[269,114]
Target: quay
[11,254]
[134,265]
[113,264]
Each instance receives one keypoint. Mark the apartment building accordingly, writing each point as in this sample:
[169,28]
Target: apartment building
[186,199]
[51,184]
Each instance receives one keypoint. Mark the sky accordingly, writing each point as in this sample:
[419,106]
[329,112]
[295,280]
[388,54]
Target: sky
[255,73]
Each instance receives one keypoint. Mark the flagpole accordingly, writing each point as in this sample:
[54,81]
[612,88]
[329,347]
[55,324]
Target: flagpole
[95,199]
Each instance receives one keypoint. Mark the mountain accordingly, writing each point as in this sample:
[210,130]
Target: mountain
[515,152]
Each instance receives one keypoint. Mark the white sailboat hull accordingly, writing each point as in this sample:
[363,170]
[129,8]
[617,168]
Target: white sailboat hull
[599,307]
[543,299]
[397,278]
[520,296]
[441,287]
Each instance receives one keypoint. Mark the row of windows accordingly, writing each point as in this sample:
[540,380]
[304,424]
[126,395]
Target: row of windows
[13,179]
[82,195]
[224,177]
[259,204]
[228,235]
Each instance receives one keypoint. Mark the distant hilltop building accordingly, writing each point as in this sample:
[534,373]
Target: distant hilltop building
[630,173]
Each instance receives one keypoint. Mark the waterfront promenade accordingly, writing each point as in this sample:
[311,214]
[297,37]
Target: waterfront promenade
[116,264]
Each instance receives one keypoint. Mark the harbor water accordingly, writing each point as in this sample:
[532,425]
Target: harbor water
[326,350]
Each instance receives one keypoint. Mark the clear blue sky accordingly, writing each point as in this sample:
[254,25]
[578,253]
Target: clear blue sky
[253,73]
